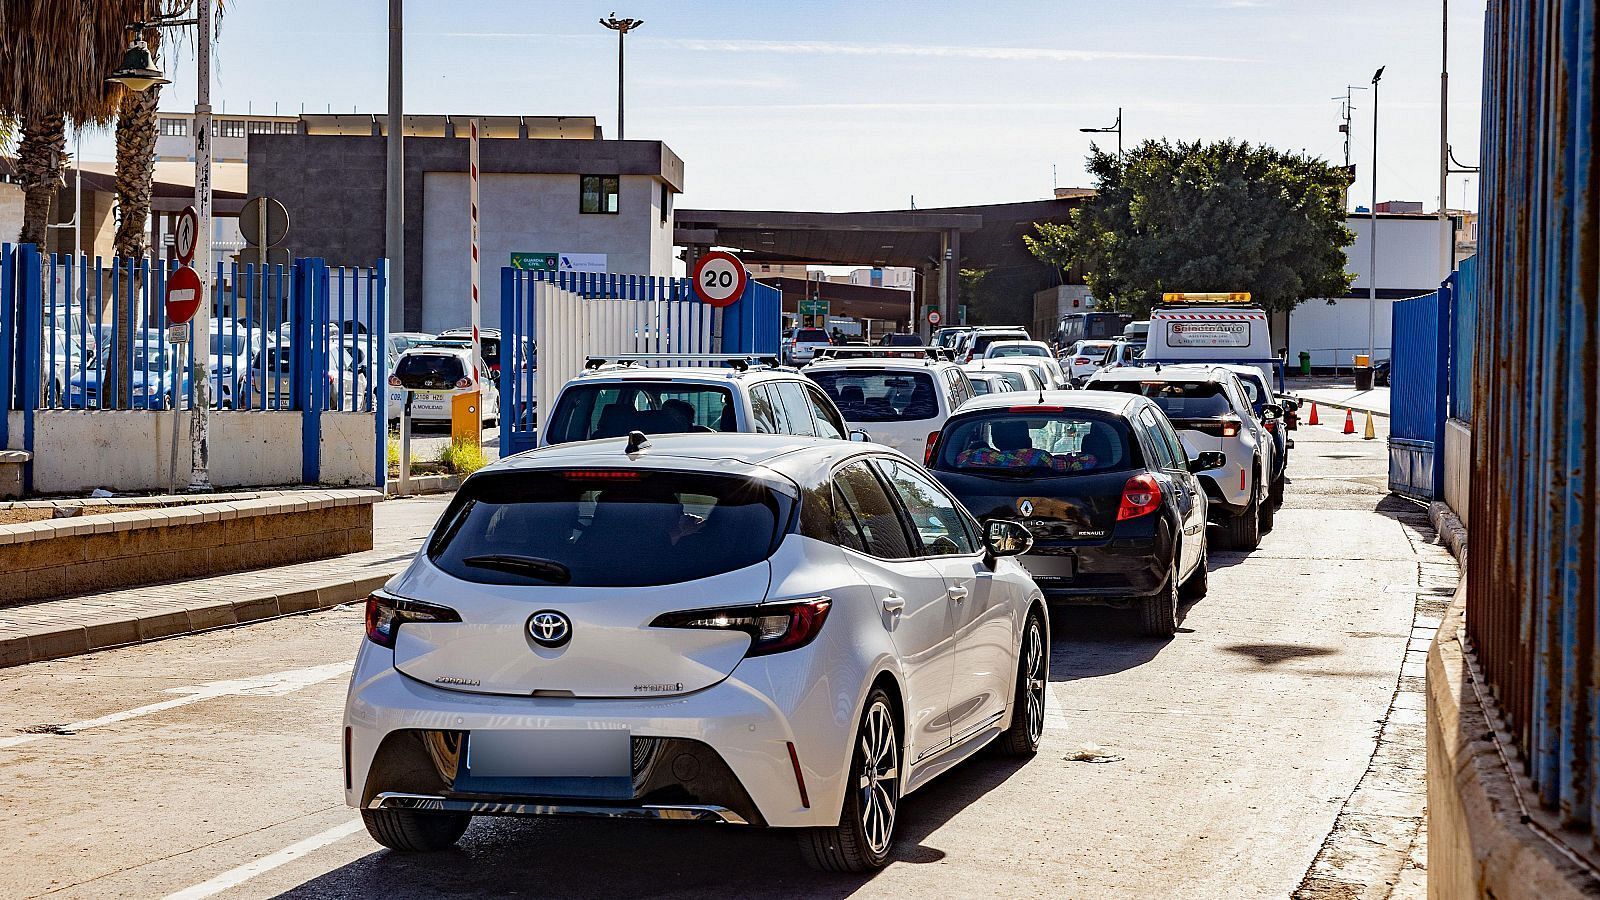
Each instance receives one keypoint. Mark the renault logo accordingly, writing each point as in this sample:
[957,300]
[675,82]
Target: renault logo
[549,628]
[1025,507]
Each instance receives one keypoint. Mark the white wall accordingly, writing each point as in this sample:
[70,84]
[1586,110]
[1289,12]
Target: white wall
[534,214]
[10,212]
[347,448]
[1413,253]
[1334,333]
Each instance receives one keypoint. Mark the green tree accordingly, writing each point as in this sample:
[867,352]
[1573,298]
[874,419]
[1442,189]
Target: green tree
[1217,217]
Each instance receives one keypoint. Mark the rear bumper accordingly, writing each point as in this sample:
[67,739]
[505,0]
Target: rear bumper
[742,764]
[1110,573]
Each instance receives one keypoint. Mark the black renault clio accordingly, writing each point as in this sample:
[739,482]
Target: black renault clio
[1101,480]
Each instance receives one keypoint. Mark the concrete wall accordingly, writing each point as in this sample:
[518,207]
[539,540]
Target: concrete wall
[10,212]
[1050,304]
[533,214]
[1332,332]
[1457,461]
[76,451]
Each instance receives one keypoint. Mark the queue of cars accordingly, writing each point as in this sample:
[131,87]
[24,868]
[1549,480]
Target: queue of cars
[744,593]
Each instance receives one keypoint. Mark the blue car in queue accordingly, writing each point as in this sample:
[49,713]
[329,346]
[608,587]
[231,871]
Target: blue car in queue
[1101,481]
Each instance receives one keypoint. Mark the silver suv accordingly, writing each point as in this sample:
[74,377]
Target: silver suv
[618,395]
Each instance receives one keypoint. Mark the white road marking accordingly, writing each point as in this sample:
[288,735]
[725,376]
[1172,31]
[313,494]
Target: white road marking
[237,876]
[272,684]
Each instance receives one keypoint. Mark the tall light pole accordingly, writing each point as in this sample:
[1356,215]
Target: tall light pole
[137,73]
[394,214]
[621,27]
[1114,127]
[1372,230]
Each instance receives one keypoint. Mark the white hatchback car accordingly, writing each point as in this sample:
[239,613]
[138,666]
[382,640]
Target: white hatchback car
[1085,358]
[900,402]
[434,371]
[1034,353]
[748,629]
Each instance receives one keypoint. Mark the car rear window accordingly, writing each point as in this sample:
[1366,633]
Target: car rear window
[865,395]
[430,370]
[1178,399]
[814,335]
[1032,444]
[607,528]
[1023,350]
[982,341]
[902,340]
[589,411]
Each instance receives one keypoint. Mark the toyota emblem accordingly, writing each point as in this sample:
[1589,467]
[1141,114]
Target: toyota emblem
[1025,507]
[549,628]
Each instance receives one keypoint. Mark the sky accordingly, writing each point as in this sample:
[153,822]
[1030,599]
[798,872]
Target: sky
[853,104]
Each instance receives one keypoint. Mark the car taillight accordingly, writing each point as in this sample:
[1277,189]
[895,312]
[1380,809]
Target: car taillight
[1230,428]
[773,627]
[386,613]
[1272,425]
[1081,361]
[394,381]
[1140,497]
[927,454]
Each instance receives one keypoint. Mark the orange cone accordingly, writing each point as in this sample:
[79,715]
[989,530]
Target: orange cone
[1349,422]
[1313,420]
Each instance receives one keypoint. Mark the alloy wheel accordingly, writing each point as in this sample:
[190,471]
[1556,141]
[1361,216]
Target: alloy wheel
[1033,658]
[880,774]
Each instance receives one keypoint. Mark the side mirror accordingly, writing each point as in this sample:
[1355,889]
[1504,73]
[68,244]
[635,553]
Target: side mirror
[1208,460]
[860,437]
[1003,537]
[1271,412]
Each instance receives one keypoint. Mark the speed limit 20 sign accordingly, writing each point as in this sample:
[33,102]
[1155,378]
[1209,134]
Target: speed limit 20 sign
[719,278]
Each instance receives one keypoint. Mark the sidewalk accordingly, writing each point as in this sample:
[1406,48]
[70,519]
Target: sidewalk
[51,629]
[1340,393]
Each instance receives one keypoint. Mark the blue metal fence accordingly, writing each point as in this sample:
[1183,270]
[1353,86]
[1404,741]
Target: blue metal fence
[1463,339]
[1533,589]
[86,333]
[1416,416]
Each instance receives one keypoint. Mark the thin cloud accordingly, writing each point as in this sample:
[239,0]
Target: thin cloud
[840,48]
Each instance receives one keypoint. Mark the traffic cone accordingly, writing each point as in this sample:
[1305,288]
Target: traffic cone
[1349,422]
[1313,420]
[1370,433]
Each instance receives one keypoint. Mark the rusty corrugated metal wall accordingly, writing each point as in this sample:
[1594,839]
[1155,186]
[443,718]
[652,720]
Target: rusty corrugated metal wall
[1535,543]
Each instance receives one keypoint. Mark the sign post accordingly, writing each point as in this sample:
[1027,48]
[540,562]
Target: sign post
[182,300]
[466,421]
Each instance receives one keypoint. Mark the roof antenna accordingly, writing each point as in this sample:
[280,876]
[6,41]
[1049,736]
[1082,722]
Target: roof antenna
[636,442]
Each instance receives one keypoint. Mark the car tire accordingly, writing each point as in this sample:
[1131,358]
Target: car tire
[1158,614]
[862,841]
[410,831]
[1028,700]
[1199,581]
[1276,491]
[1243,532]
[1268,513]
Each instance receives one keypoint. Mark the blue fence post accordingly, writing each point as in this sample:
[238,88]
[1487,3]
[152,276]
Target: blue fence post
[511,335]
[30,310]
[1444,317]
[378,365]
[8,354]
[302,333]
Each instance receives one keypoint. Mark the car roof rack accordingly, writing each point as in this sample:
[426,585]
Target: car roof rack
[937,354]
[442,342]
[740,362]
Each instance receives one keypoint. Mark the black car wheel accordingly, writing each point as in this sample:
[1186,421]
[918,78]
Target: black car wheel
[1028,701]
[1199,580]
[411,831]
[1158,614]
[1268,512]
[1243,532]
[865,834]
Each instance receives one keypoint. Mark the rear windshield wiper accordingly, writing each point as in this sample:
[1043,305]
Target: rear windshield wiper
[533,566]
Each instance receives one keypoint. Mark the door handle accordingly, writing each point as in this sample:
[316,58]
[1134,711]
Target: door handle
[893,604]
[958,592]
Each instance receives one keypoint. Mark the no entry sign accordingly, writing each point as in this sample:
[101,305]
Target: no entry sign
[183,295]
[719,278]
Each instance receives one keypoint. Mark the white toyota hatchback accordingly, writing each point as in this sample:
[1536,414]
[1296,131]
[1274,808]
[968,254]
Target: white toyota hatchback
[750,629]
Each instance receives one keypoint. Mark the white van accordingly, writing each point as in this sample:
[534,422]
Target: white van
[1212,328]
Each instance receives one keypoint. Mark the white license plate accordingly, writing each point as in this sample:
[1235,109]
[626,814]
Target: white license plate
[551,753]
[1040,566]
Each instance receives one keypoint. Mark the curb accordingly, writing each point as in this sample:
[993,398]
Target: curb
[153,625]
[423,484]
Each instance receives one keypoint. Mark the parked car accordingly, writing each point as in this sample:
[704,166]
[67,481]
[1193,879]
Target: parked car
[745,629]
[973,343]
[1380,373]
[898,339]
[488,337]
[1033,353]
[150,386]
[270,382]
[1102,483]
[1123,353]
[1259,392]
[1209,408]
[609,401]
[1084,359]
[800,344]
[902,402]
[946,336]
[1019,375]
[436,371]
[984,383]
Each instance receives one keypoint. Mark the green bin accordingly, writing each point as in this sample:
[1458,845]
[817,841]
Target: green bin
[1305,362]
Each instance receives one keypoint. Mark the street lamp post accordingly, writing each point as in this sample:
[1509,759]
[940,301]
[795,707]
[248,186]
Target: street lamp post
[138,72]
[621,27]
[1372,230]
[1114,127]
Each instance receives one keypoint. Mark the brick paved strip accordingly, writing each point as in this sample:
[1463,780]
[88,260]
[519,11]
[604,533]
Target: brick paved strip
[53,629]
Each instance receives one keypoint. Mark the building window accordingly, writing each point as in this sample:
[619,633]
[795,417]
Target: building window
[174,127]
[666,203]
[230,128]
[598,193]
[259,127]
[286,127]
